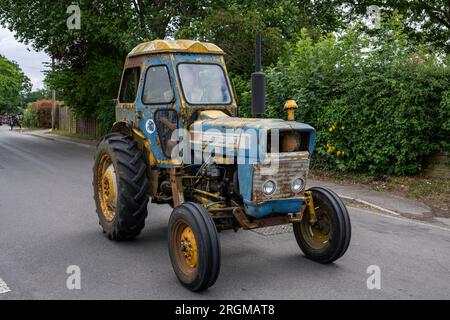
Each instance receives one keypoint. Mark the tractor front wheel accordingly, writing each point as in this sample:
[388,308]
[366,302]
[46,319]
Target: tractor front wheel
[194,247]
[120,187]
[325,236]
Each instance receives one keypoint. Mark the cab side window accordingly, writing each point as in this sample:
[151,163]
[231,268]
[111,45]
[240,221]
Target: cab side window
[157,87]
[130,84]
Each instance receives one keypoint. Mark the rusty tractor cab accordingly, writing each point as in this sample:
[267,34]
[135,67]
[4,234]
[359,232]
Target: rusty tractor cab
[179,140]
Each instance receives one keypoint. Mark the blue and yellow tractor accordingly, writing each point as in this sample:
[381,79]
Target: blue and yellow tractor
[178,140]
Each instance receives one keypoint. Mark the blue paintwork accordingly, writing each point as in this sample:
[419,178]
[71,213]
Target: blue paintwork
[256,127]
[245,176]
[273,207]
[148,111]
[245,171]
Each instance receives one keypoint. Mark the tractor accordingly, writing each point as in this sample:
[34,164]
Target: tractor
[178,139]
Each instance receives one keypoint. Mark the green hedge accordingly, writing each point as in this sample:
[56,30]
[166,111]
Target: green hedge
[30,117]
[379,111]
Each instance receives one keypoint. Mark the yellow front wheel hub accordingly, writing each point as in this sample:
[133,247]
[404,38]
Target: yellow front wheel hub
[184,246]
[188,247]
[317,229]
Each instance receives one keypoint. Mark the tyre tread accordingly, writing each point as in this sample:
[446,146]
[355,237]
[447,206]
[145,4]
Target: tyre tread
[344,226]
[132,187]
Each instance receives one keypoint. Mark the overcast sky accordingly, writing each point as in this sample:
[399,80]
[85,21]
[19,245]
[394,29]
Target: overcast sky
[29,60]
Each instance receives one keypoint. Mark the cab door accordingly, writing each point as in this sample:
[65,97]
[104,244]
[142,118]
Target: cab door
[158,108]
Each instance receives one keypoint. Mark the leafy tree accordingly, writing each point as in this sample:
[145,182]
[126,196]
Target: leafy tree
[33,96]
[105,25]
[234,31]
[89,61]
[426,21]
[13,84]
[233,26]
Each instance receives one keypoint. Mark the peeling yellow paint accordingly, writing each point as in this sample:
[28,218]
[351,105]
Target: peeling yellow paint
[164,46]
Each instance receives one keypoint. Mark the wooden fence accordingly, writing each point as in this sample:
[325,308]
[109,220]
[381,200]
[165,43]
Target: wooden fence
[69,122]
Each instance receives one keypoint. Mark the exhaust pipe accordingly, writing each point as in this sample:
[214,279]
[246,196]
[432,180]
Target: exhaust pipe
[258,83]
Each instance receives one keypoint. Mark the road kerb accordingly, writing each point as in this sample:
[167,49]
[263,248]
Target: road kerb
[61,140]
[367,203]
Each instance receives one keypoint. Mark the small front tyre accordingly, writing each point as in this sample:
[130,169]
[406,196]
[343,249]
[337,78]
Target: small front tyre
[194,247]
[328,238]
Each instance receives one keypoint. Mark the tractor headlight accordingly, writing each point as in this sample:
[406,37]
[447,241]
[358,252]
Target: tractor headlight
[297,185]
[269,187]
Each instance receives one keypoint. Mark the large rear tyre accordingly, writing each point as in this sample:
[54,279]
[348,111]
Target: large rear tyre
[120,187]
[194,246]
[328,238]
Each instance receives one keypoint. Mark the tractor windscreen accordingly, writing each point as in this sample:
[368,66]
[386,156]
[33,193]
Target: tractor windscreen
[204,83]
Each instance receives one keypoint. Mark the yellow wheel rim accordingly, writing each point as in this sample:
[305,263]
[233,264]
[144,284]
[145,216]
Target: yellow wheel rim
[317,235]
[107,187]
[188,247]
[185,248]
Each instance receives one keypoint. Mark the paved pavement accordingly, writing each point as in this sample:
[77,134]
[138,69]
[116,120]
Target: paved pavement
[48,222]
[387,202]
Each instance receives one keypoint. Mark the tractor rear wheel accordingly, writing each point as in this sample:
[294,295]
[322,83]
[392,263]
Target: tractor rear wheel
[120,187]
[194,247]
[328,238]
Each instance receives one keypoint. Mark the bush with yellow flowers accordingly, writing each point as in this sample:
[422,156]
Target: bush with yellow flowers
[378,111]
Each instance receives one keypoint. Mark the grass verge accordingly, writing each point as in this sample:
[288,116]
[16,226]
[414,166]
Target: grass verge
[27,129]
[71,135]
[435,192]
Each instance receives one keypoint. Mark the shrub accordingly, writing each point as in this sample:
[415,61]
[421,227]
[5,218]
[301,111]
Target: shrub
[445,120]
[30,118]
[38,114]
[44,112]
[379,105]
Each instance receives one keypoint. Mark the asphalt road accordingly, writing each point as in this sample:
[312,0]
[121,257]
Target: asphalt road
[48,222]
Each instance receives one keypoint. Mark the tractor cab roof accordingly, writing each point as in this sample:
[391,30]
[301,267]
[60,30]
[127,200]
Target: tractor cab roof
[175,46]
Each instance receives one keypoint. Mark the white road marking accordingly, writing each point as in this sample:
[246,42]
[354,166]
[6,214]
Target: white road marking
[3,287]
[370,205]
[400,218]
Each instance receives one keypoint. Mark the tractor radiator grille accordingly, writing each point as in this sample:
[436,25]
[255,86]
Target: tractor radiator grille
[283,175]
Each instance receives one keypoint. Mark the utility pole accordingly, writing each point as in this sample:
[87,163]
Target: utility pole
[53,99]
